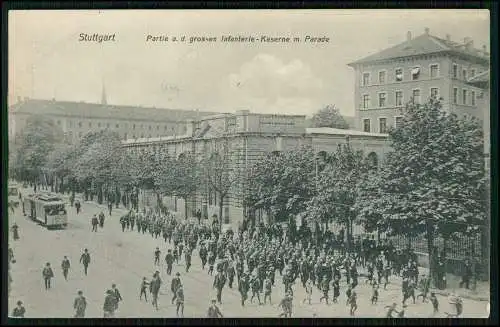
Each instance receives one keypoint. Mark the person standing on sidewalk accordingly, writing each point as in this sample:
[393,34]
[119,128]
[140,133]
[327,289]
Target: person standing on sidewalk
[19,311]
[154,288]
[85,260]
[78,206]
[94,222]
[80,304]
[47,274]
[65,265]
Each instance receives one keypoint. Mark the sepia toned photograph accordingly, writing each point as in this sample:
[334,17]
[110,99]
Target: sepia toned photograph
[248,164]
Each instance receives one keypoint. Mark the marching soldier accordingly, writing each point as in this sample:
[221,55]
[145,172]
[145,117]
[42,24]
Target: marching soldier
[169,259]
[65,265]
[187,257]
[203,255]
[101,219]
[94,222]
[157,256]
[179,295]
[154,288]
[268,285]
[176,282]
[219,282]
[243,287]
[255,283]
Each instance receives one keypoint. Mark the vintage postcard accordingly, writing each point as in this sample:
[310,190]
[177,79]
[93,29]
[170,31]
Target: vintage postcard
[248,163]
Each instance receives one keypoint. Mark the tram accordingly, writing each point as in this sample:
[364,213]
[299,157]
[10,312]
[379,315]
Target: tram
[47,209]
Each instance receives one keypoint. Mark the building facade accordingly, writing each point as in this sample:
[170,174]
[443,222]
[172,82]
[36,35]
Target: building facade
[246,137]
[417,69]
[77,118]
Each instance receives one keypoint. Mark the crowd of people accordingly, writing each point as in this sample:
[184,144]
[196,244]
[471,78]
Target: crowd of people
[251,258]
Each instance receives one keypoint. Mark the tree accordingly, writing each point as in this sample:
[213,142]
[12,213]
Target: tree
[186,177]
[221,174]
[281,183]
[36,141]
[433,181]
[329,116]
[336,193]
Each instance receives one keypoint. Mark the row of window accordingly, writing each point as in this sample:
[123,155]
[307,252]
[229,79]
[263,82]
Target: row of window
[108,125]
[382,124]
[398,98]
[468,97]
[399,75]
[415,73]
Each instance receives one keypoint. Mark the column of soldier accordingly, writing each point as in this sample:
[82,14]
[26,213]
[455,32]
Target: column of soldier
[252,256]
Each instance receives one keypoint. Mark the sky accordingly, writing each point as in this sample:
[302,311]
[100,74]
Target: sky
[47,60]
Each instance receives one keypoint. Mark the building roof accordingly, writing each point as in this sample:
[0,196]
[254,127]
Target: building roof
[154,139]
[421,45]
[344,132]
[96,110]
[481,78]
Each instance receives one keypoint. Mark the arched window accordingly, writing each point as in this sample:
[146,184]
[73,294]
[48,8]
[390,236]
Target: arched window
[373,160]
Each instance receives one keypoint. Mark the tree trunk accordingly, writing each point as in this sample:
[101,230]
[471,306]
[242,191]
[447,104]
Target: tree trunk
[431,251]
[221,204]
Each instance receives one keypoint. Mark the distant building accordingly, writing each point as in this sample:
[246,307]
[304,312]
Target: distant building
[78,118]
[247,137]
[418,68]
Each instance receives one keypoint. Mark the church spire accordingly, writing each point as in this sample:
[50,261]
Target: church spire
[104,100]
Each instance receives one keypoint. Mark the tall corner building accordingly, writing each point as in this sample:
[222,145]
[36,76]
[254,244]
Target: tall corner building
[419,68]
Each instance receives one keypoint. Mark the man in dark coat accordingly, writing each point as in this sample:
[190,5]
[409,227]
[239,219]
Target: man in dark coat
[85,260]
[65,265]
[176,282]
[80,304]
[47,274]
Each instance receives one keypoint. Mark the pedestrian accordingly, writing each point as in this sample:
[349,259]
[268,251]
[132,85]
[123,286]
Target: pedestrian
[424,288]
[47,274]
[154,288]
[179,295]
[401,313]
[110,207]
[174,285]
[157,256]
[101,219]
[353,303]
[11,255]
[77,206]
[65,265]
[435,303]
[286,306]
[109,306]
[336,290]
[214,311]
[390,310]
[169,259]
[203,255]
[85,260]
[268,285]
[243,287]
[19,311]
[94,222]
[15,232]
[255,284]
[309,290]
[466,275]
[187,258]
[123,222]
[80,304]
[325,288]
[374,294]
[117,295]
[144,287]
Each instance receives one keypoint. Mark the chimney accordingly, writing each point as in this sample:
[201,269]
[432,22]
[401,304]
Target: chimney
[427,31]
[408,36]
[448,37]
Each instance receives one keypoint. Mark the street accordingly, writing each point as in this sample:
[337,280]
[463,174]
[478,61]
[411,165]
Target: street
[125,258]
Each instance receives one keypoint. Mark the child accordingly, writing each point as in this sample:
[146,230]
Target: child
[375,294]
[348,293]
[352,302]
[309,290]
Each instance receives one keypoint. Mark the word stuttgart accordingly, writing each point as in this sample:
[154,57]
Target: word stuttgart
[97,37]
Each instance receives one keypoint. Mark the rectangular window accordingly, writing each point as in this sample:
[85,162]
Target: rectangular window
[455,71]
[415,73]
[382,125]
[472,73]
[473,98]
[399,75]
[381,77]
[416,96]
[399,98]
[366,101]
[455,95]
[366,79]
[382,100]
[398,122]
[434,71]
[464,74]
[434,92]
[366,125]
[464,96]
